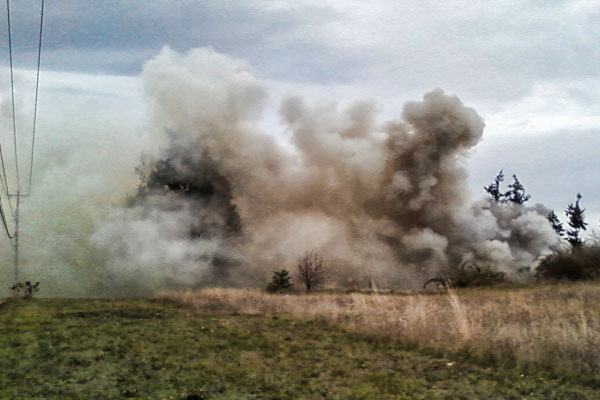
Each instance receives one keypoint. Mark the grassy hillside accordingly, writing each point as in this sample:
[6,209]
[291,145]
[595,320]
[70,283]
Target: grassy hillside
[75,349]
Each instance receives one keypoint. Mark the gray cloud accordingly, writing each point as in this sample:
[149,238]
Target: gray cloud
[489,50]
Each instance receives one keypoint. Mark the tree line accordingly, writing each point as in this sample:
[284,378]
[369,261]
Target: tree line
[581,261]
[516,195]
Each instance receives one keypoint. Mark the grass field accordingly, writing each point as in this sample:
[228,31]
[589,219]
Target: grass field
[84,349]
[549,327]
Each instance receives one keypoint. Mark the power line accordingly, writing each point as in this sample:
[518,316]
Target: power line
[3,216]
[18,195]
[37,89]
[5,180]
[12,86]
[5,185]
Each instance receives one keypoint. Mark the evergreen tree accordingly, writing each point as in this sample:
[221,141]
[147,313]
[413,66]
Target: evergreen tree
[516,193]
[575,215]
[493,189]
[556,224]
[280,282]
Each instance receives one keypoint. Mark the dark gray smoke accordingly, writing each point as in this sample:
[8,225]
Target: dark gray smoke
[184,181]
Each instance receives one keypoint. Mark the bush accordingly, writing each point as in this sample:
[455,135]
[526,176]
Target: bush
[475,275]
[25,290]
[280,282]
[581,263]
[310,271]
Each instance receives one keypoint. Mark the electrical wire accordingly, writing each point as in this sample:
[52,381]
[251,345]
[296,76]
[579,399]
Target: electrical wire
[12,86]
[37,89]
[5,185]
[3,177]
[3,217]
[2,163]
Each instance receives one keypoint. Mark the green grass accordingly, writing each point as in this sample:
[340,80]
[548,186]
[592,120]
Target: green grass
[84,349]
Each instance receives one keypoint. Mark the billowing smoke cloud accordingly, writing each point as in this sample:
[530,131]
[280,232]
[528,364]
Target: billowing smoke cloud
[222,202]
[225,203]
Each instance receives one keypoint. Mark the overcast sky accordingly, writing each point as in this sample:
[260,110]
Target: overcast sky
[530,68]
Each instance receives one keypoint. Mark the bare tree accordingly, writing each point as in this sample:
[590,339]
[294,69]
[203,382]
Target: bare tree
[310,271]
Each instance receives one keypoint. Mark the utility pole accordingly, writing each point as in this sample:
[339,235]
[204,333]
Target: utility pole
[18,195]
[17,236]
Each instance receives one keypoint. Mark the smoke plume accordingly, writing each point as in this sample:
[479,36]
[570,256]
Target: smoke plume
[222,202]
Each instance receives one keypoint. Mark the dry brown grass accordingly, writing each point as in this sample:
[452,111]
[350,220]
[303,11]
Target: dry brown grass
[554,327]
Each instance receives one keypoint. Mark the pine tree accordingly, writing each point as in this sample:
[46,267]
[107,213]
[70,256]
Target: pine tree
[556,224]
[493,189]
[516,193]
[575,215]
[280,282]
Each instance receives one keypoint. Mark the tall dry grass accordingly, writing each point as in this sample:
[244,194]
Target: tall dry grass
[555,327]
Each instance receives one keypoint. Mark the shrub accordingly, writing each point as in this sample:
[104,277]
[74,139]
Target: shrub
[476,275]
[581,263]
[25,290]
[280,282]
[310,271]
